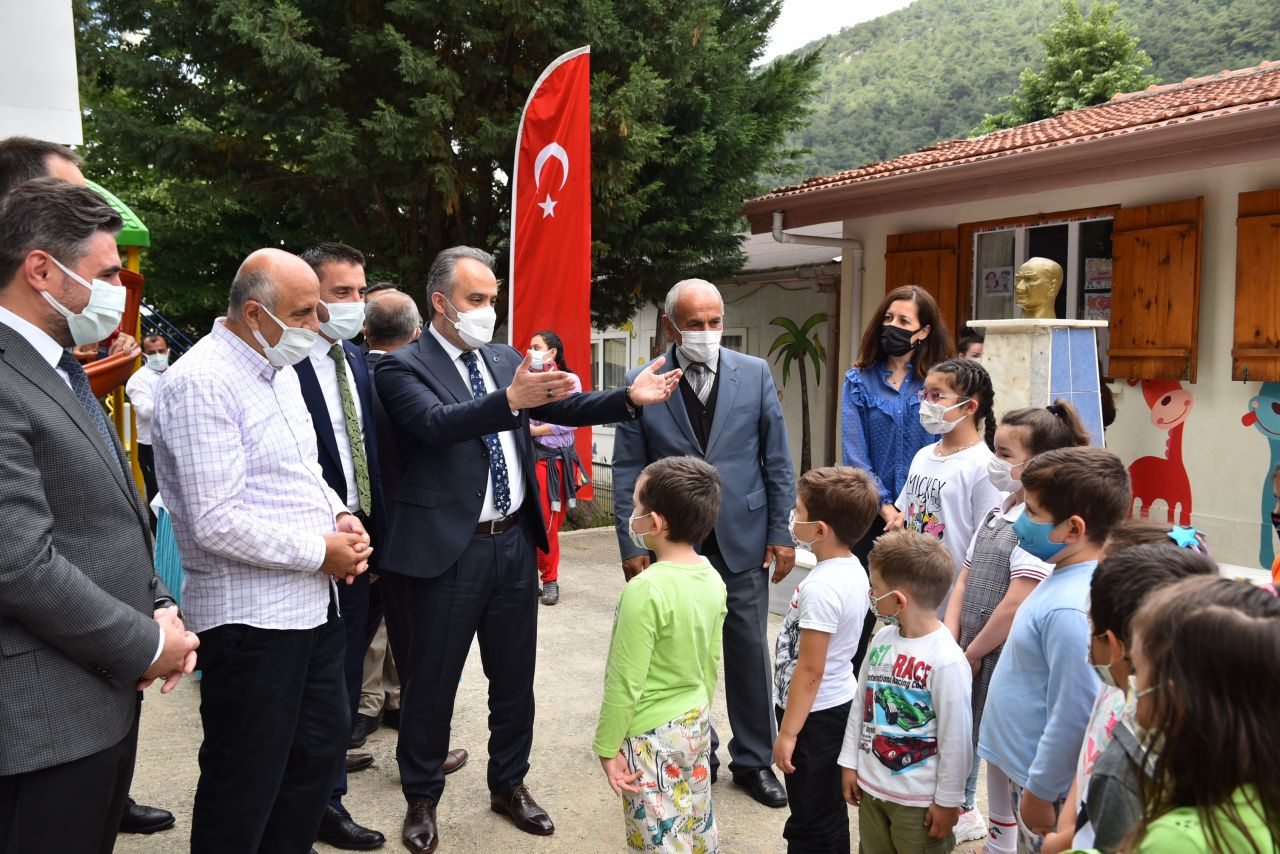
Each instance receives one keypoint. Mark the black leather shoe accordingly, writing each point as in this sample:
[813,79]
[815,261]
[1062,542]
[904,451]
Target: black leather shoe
[763,786]
[524,812]
[358,762]
[143,819]
[419,833]
[365,726]
[391,718]
[340,830]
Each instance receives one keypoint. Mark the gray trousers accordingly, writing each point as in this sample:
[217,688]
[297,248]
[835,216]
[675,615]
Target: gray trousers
[748,670]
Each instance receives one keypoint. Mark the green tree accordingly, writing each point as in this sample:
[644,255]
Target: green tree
[1087,60]
[391,126]
[800,344]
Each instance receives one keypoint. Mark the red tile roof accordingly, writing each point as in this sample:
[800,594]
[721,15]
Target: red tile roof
[1174,103]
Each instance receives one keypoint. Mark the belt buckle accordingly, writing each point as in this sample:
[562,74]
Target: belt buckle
[493,525]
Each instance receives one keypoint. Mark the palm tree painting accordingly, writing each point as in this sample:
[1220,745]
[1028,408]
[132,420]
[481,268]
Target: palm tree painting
[800,344]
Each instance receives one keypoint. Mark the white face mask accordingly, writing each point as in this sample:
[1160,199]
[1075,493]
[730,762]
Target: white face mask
[1000,473]
[931,416]
[791,528]
[158,362]
[294,345]
[346,319]
[100,316]
[700,345]
[637,539]
[475,326]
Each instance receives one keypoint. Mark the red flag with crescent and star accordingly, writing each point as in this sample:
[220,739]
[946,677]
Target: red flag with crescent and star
[550,278]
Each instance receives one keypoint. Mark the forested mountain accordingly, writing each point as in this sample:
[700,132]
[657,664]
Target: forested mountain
[931,71]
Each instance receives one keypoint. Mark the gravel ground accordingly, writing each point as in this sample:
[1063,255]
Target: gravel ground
[565,777]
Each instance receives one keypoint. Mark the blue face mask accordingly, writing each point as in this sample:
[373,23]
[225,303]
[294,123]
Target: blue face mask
[1033,537]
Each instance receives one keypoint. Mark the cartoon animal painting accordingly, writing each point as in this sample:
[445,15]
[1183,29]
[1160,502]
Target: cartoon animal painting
[1164,478]
[1264,414]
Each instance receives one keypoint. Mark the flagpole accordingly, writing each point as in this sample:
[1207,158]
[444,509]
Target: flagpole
[515,179]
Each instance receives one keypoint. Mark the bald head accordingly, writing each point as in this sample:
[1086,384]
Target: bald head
[275,281]
[391,321]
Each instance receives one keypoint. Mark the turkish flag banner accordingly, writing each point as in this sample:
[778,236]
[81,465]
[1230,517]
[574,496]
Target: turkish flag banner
[550,278]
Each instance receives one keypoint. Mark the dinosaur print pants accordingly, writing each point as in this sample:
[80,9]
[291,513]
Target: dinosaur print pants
[672,812]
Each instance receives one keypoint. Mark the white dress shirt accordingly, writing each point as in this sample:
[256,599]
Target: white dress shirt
[327,375]
[236,461]
[141,389]
[51,351]
[506,438]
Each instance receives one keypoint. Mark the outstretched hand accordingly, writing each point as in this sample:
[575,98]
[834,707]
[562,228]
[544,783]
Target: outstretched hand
[529,389]
[651,387]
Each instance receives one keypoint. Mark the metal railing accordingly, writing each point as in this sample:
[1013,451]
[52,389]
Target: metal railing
[155,323]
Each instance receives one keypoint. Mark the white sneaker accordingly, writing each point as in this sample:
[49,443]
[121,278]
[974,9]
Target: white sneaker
[970,827]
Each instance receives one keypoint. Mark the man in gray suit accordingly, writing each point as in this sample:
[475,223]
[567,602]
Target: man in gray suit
[84,622]
[727,412]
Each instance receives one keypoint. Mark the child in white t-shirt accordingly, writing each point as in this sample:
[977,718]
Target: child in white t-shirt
[819,649]
[907,748]
[948,493]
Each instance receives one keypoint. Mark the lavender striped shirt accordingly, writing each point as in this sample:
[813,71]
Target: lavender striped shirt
[236,463]
[559,437]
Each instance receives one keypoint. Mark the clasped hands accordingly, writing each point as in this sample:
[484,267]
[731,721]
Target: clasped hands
[532,389]
[177,654]
[346,550]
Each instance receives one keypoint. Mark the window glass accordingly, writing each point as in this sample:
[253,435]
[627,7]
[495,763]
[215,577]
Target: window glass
[993,270]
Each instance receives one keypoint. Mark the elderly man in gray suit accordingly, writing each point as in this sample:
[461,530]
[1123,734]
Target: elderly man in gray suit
[727,412]
[84,622]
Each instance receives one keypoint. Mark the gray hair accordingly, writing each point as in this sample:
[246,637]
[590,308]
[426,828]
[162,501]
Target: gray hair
[391,319]
[252,285]
[440,278]
[54,217]
[678,290]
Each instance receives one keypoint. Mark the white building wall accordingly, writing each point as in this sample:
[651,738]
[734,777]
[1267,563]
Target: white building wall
[1227,462]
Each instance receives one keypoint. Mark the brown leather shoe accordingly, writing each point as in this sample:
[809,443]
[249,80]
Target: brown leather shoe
[524,812]
[455,760]
[419,834]
[358,761]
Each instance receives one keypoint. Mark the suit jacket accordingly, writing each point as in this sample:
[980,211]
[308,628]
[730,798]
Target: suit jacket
[389,463]
[439,429]
[77,582]
[330,462]
[747,445]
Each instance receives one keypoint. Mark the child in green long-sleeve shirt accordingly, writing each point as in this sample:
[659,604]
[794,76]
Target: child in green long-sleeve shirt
[654,734]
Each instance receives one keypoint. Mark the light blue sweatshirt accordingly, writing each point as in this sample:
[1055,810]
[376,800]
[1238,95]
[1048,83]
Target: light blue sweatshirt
[1043,689]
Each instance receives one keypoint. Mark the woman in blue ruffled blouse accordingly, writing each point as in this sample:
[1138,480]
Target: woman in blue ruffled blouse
[880,414]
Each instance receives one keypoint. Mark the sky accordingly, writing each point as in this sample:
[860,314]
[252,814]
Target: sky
[803,21]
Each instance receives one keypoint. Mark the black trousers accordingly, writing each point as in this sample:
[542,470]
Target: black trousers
[492,593]
[276,724]
[353,600]
[748,670]
[819,820]
[862,547]
[147,463]
[74,807]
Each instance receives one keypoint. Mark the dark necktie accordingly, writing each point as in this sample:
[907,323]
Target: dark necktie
[700,378]
[84,394]
[354,440]
[497,460]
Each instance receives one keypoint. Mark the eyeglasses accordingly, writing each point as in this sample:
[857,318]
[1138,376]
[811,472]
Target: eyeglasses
[925,396]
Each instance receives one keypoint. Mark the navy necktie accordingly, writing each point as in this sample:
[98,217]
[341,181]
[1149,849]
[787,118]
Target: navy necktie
[84,394]
[497,460]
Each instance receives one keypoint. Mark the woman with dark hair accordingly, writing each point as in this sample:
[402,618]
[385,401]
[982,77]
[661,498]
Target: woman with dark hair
[559,468]
[880,412]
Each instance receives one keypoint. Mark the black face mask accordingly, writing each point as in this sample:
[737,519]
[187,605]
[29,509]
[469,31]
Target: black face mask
[897,341]
[1275,522]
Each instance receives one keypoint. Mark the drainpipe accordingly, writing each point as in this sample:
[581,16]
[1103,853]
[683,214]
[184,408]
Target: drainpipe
[852,251]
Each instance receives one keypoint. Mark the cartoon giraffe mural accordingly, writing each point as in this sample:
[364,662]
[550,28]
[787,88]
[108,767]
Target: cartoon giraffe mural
[1156,478]
[1264,414]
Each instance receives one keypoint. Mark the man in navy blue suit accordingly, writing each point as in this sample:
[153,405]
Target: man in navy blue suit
[337,389]
[459,553]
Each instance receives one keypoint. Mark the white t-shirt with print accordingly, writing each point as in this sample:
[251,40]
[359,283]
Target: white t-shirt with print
[910,734]
[833,598]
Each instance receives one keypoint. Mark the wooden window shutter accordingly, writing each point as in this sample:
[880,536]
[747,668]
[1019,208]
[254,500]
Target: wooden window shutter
[1255,351]
[927,259]
[1155,296]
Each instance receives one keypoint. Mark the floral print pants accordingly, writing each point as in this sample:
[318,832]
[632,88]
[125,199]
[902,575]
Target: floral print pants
[672,812]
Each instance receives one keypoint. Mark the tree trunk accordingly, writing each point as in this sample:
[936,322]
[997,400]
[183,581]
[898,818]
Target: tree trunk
[805,449]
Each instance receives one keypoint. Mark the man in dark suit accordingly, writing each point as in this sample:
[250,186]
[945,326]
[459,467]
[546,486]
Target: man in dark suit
[727,413]
[84,622]
[460,550]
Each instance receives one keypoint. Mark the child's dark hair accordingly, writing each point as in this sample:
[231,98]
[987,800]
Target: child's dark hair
[1125,578]
[553,342]
[968,337]
[1211,646]
[1057,425]
[844,497]
[1088,482]
[933,349]
[971,380]
[1140,532]
[686,492]
[915,563]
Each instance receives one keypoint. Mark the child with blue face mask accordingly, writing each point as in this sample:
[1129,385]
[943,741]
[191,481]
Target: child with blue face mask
[996,577]
[1043,688]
